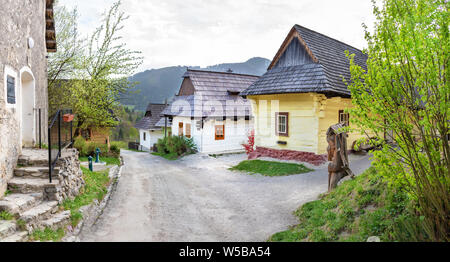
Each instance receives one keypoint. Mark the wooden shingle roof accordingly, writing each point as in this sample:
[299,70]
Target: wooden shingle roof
[322,71]
[151,118]
[213,91]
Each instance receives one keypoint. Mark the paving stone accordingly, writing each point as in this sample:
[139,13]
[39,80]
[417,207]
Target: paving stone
[16,203]
[17,237]
[35,172]
[7,228]
[56,221]
[29,185]
[39,212]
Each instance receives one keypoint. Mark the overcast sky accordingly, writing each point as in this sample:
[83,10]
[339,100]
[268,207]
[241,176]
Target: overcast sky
[208,32]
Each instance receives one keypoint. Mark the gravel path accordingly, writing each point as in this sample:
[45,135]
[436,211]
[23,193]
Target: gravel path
[198,199]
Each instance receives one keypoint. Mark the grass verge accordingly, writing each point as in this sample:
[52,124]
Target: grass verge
[107,160]
[169,156]
[271,168]
[5,215]
[355,210]
[47,235]
[95,188]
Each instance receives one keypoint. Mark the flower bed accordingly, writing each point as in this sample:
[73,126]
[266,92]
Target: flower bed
[288,155]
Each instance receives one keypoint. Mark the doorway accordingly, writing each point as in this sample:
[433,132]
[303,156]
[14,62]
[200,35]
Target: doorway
[28,118]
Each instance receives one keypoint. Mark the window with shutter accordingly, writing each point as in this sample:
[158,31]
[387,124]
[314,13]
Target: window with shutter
[220,132]
[188,130]
[180,128]
[11,90]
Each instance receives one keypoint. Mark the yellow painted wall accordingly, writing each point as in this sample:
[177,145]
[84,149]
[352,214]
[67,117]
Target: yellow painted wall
[310,115]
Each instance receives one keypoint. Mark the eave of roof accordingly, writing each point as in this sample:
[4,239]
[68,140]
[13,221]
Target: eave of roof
[50,33]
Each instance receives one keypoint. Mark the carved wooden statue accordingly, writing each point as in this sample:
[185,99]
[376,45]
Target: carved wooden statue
[337,154]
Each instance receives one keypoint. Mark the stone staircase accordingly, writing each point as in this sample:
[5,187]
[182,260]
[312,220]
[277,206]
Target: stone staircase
[32,198]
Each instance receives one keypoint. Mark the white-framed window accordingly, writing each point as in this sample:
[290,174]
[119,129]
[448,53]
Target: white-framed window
[145,136]
[11,90]
[344,117]
[282,123]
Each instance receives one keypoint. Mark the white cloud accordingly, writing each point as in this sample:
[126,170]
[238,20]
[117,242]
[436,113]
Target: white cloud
[206,32]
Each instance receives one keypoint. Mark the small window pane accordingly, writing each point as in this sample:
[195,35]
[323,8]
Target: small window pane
[11,90]
[282,124]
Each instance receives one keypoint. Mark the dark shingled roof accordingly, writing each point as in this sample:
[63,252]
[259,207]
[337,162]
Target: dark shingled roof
[213,92]
[152,116]
[325,76]
[162,123]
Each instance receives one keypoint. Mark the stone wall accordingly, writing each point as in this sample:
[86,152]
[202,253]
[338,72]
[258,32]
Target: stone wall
[20,20]
[70,178]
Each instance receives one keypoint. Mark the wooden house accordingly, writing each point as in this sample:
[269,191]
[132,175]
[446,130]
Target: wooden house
[208,108]
[149,131]
[303,93]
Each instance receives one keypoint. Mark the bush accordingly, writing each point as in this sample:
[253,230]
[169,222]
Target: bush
[88,148]
[177,145]
[92,146]
[119,144]
[80,145]
[114,149]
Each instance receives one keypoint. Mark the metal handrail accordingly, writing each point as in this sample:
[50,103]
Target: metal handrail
[56,119]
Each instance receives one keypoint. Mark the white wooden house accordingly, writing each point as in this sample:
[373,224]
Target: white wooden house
[149,131]
[208,108]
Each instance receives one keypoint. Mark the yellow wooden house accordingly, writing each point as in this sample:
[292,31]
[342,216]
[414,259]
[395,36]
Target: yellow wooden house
[303,93]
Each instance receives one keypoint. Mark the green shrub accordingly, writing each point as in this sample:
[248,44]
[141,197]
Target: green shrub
[119,144]
[80,145]
[92,146]
[176,145]
[114,149]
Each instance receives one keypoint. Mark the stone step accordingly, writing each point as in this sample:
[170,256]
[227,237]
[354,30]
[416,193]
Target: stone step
[30,185]
[7,228]
[17,203]
[40,212]
[58,220]
[17,237]
[35,172]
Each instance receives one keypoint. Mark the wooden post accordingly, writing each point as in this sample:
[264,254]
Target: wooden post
[165,121]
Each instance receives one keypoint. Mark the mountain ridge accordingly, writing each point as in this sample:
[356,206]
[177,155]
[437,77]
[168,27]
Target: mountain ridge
[156,85]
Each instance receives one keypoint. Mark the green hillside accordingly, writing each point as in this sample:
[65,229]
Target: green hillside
[156,85]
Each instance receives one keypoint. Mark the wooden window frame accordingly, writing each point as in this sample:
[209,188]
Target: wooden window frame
[180,129]
[219,137]
[277,115]
[11,98]
[188,128]
[347,121]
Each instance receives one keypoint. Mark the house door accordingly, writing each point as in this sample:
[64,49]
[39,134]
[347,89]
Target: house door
[28,121]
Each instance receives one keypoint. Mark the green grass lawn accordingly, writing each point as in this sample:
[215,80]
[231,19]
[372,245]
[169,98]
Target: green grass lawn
[355,210]
[173,156]
[107,160]
[271,168]
[95,188]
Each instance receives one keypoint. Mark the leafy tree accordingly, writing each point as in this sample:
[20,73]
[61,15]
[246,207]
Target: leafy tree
[62,63]
[98,72]
[406,92]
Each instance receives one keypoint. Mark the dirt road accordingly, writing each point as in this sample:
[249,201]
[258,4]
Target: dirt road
[199,199]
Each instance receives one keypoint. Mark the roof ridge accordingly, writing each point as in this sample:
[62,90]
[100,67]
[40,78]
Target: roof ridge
[297,25]
[227,73]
